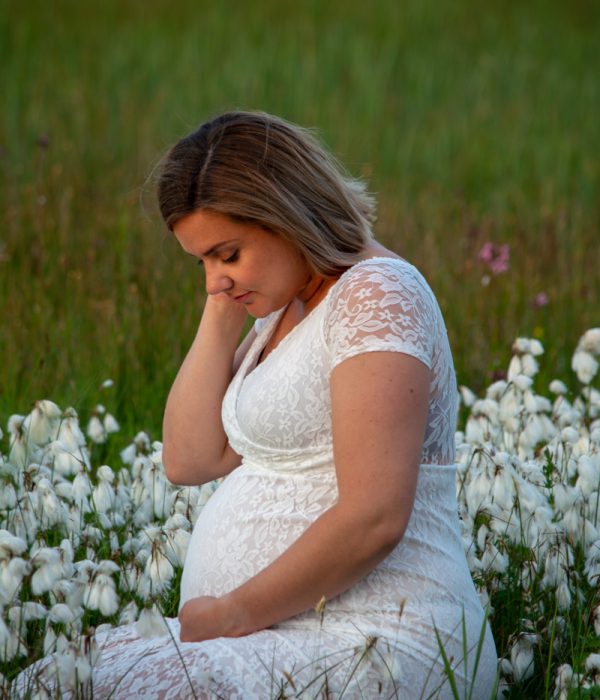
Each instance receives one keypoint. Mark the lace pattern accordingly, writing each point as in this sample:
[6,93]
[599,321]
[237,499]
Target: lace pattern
[277,416]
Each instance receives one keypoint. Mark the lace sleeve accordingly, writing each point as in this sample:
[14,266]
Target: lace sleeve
[382,305]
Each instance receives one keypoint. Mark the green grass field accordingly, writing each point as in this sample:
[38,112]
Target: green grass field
[471,123]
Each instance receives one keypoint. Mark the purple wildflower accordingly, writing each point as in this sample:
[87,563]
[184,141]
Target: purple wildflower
[496,257]
[540,299]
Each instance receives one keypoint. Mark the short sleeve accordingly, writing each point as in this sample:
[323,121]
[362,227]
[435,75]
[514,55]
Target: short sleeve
[385,305]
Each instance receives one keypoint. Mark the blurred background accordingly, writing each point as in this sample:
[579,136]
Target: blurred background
[475,125]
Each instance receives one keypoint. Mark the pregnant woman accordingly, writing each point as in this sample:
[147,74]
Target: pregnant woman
[329,561]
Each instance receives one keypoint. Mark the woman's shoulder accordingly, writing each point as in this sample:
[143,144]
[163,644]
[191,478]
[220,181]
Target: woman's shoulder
[382,304]
[381,276]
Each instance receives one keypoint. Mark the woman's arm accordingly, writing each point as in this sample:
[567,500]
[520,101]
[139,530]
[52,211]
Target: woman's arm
[379,413]
[195,447]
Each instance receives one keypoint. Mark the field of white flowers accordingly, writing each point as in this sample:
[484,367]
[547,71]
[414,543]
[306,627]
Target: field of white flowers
[84,546]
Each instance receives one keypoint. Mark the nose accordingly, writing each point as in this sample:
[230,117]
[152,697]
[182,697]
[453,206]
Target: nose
[216,280]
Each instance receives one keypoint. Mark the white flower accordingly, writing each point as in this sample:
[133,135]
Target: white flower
[82,489]
[496,390]
[33,611]
[15,424]
[558,387]
[467,396]
[8,497]
[21,453]
[50,570]
[74,663]
[522,382]
[65,461]
[110,424]
[535,347]
[487,408]
[503,490]
[584,365]
[492,559]
[179,540]
[590,341]
[128,614]
[85,569]
[478,492]
[128,454]
[529,365]
[51,510]
[563,596]
[596,620]
[11,644]
[103,496]
[592,663]
[107,384]
[521,345]
[514,368]
[49,640]
[101,595]
[108,567]
[159,570]
[69,432]
[503,688]
[96,431]
[564,680]
[521,657]
[475,433]
[569,435]
[62,613]
[151,623]
[42,422]
[529,399]
[11,545]
[12,573]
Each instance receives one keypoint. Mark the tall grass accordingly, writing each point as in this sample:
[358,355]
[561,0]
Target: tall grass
[471,124]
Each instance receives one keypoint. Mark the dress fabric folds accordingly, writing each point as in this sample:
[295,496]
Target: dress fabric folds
[380,638]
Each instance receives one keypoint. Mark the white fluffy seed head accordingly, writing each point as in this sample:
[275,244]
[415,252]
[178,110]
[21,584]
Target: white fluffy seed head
[151,623]
[590,341]
[584,365]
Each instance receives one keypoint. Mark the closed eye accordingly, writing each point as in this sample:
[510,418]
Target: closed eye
[232,258]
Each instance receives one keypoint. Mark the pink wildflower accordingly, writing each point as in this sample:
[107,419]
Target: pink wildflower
[486,254]
[540,299]
[496,257]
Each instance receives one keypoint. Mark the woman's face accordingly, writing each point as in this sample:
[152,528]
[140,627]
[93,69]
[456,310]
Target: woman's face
[253,267]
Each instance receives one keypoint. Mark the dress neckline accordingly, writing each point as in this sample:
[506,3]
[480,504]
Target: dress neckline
[279,313]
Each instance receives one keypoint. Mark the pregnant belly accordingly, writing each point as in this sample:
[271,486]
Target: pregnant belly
[252,518]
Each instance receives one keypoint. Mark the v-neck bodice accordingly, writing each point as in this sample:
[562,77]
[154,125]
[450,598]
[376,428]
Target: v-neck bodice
[279,411]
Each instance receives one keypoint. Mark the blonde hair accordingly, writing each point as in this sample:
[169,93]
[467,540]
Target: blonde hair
[260,169]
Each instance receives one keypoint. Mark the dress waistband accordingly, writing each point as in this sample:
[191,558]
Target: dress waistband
[300,465]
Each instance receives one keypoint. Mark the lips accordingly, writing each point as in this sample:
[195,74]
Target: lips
[242,297]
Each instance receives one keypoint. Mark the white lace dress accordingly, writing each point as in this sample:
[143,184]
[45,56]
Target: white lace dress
[378,639]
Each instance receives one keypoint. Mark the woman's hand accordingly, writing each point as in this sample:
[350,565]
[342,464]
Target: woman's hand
[195,447]
[226,314]
[206,617]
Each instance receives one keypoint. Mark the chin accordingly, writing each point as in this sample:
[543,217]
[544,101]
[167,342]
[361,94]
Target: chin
[257,311]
